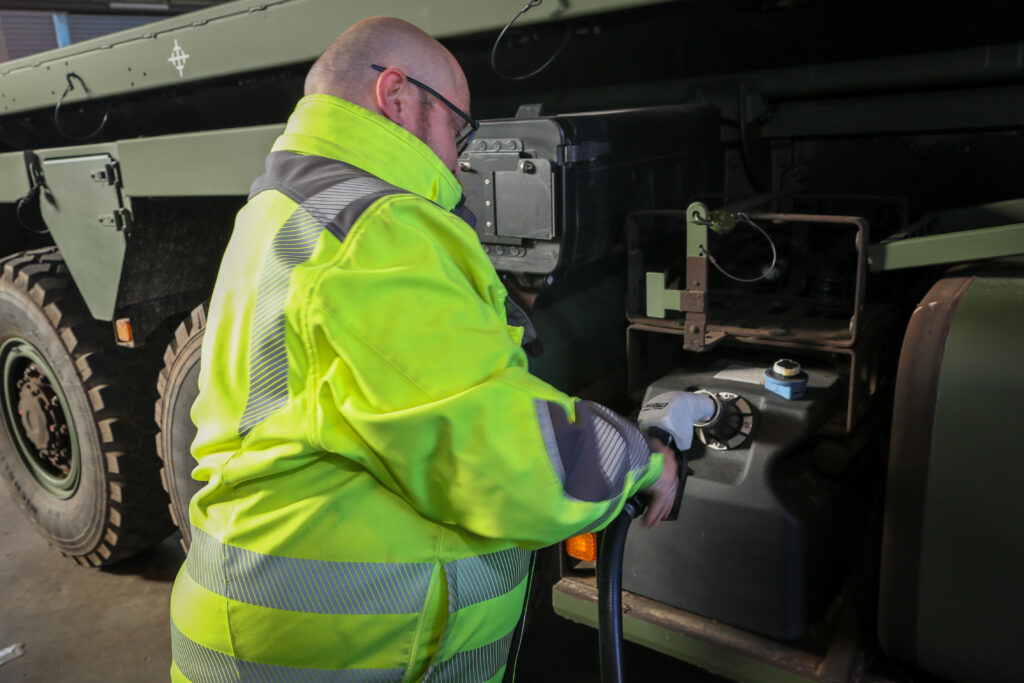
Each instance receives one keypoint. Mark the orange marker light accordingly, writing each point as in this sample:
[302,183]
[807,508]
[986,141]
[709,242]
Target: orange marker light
[582,547]
[123,327]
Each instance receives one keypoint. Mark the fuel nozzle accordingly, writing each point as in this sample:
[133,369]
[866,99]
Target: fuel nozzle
[670,418]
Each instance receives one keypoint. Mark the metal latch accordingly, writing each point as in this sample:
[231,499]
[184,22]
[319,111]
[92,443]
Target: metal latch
[120,219]
[586,151]
[108,175]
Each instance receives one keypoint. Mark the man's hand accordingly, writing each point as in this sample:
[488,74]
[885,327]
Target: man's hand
[662,493]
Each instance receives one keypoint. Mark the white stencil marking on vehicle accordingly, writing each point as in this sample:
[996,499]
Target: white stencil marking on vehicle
[178,58]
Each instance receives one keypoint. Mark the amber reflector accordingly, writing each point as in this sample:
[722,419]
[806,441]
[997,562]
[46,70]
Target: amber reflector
[124,330]
[582,547]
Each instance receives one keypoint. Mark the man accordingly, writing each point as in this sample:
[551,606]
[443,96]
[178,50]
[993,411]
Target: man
[377,455]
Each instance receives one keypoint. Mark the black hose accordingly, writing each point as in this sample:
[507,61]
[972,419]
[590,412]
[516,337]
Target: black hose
[609,592]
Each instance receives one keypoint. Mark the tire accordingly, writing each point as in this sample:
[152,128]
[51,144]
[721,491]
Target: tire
[76,448]
[178,387]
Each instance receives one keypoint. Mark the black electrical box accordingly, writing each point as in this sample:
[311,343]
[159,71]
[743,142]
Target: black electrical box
[551,193]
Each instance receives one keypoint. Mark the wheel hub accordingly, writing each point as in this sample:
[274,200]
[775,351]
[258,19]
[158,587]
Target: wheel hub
[43,421]
[38,418]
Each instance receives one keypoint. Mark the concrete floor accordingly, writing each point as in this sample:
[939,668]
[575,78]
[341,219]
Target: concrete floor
[80,624]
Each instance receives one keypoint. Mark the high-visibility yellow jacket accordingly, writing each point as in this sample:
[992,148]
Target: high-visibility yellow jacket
[378,458]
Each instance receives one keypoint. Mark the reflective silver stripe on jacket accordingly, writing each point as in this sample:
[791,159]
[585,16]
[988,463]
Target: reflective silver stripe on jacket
[268,366]
[202,665]
[311,586]
[334,207]
[477,579]
[472,666]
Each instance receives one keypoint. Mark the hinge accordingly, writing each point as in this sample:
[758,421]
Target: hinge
[110,174]
[120,219]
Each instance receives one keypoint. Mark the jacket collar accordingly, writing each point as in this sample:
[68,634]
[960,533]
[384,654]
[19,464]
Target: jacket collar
[331,127]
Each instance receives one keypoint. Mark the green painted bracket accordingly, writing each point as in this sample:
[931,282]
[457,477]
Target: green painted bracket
[953,247]
[659,299]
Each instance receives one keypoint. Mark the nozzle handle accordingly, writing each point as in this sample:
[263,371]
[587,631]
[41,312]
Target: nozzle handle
[682,471]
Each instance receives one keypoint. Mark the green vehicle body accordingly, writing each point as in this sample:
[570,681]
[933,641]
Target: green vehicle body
[131,153]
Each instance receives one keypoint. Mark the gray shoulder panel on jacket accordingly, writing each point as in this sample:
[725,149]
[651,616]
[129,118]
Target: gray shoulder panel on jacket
[332,191]
[592,456]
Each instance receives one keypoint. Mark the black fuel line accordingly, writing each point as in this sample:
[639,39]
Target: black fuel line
[609,591]
[609,572]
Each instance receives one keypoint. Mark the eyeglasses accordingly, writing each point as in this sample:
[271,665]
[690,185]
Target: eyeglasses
[466,133]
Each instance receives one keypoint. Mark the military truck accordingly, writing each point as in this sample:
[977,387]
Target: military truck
[813,212]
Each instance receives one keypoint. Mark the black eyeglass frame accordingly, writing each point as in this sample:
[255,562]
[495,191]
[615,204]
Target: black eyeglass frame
[472,123]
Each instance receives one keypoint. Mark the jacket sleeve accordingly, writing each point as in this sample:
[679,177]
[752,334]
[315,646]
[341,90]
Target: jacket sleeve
[420,382]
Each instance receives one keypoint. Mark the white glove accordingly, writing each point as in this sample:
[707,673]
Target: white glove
[675,413]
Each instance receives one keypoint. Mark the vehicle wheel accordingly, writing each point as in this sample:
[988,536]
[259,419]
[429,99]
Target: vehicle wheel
[76,450]
[178,387]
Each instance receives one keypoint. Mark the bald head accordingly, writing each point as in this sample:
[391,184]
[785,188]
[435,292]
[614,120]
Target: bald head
[343,70]
[404,53]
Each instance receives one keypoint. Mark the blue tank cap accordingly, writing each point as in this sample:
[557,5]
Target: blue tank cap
[787,379]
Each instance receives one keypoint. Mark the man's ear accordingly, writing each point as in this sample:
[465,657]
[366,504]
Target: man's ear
[392,95]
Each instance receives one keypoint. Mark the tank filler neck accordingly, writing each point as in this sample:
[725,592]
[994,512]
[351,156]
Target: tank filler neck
[731,424]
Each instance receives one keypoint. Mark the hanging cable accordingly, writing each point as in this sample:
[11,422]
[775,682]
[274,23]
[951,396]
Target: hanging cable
[35,187]
[20,205]
[746,219]
[60,103]
[497,41]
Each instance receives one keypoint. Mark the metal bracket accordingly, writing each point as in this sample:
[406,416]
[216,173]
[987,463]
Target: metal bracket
[660,300]
[587,151]
[692,299]
[697,221]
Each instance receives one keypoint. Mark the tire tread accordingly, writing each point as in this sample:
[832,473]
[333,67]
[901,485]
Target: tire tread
[192,325]
[115,381]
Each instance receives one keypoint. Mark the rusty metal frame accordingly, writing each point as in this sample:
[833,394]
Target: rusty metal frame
[860,244]
[698,331]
